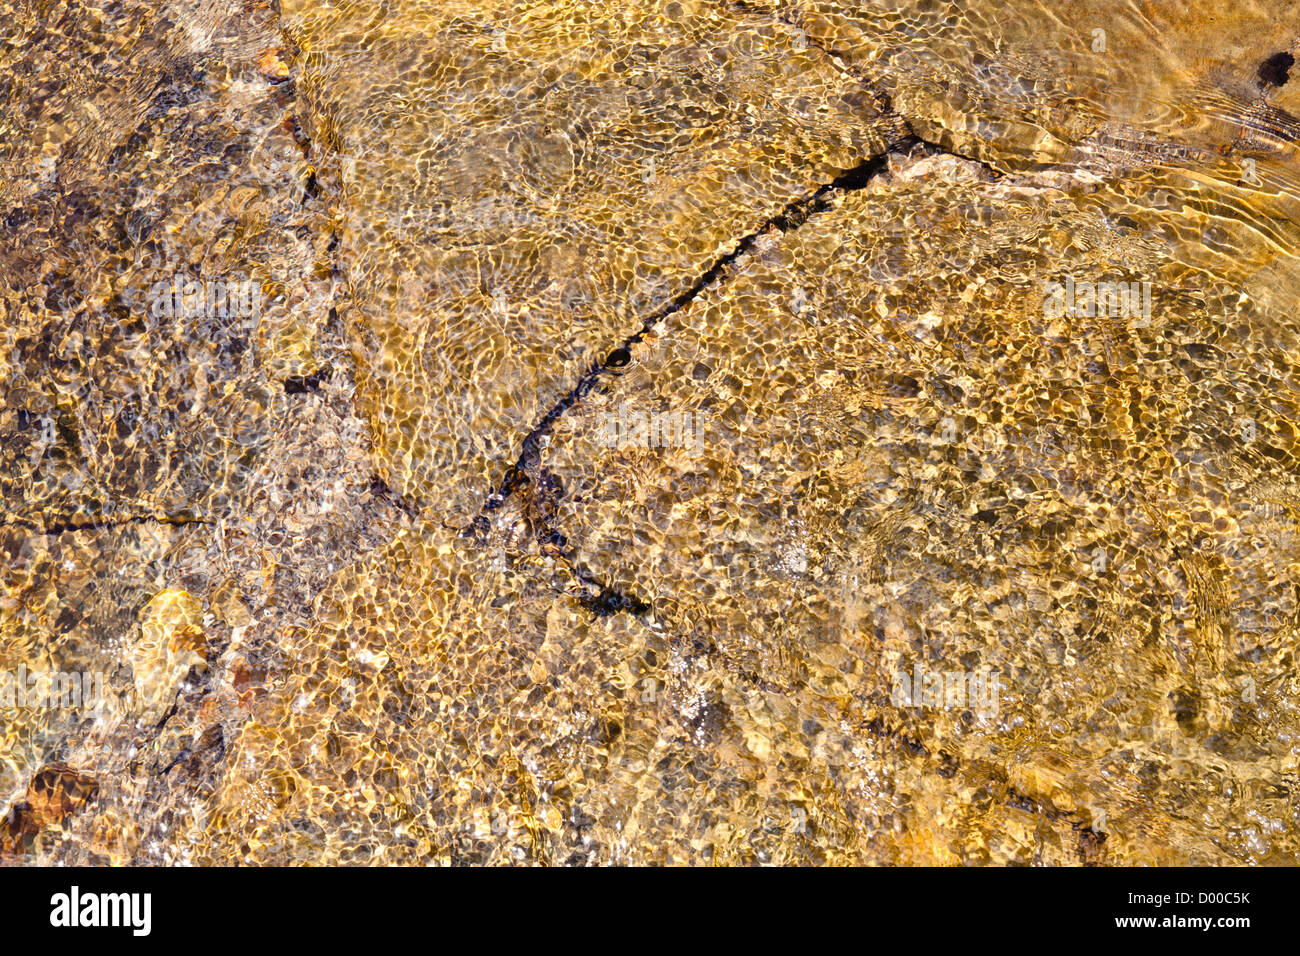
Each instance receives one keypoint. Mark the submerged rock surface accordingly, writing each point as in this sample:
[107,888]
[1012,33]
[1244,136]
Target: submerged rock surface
[667,432]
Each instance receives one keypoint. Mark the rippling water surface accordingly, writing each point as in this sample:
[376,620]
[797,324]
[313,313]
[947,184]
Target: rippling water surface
[577,432]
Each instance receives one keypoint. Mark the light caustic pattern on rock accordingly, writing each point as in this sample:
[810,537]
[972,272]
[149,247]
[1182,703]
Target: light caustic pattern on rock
[520,187]
[903,461]
[155,458]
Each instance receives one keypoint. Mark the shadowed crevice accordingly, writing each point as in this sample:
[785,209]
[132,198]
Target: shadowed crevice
[603,600]
[791,217]
[74,524]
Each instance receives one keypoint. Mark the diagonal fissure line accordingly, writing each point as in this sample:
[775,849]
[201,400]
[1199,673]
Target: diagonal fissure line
[61,526]
[882,98]
[791,217]
[603,599]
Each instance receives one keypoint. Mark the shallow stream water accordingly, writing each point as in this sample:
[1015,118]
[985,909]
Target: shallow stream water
[655,432]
